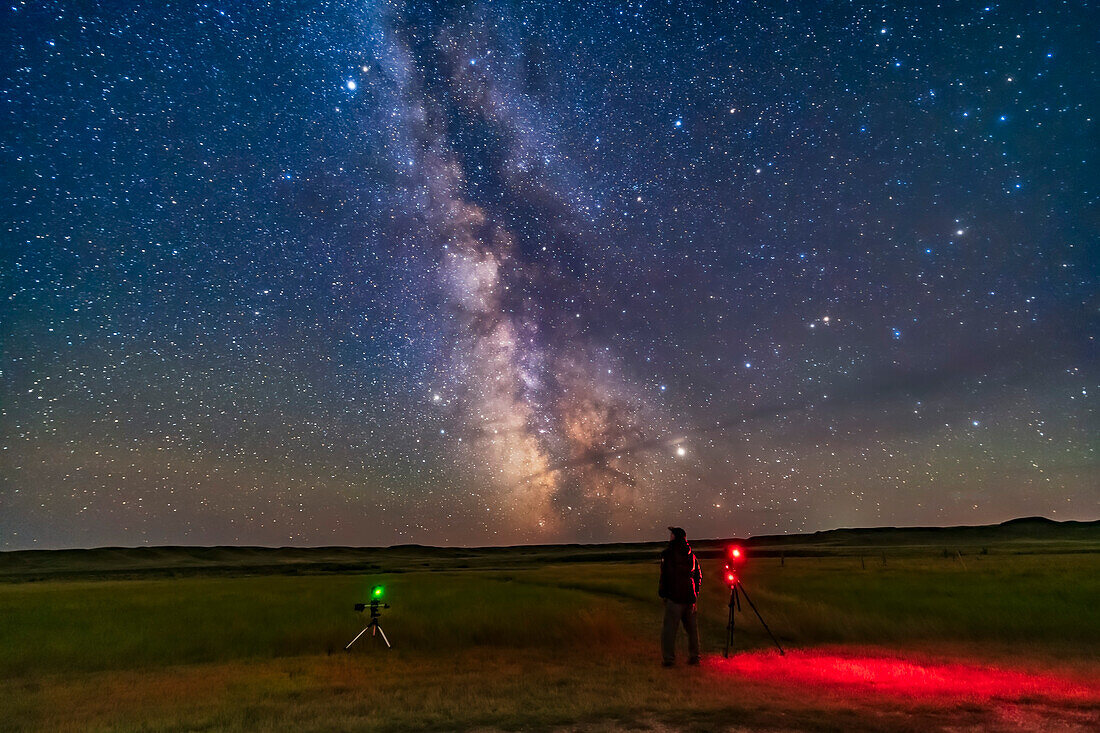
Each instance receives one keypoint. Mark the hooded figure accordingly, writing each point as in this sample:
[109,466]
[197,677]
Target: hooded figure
[679,586]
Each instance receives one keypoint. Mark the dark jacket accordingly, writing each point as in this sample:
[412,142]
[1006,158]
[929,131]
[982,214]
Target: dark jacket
[680,575]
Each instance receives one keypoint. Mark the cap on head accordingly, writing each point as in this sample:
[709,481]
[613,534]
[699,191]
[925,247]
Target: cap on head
[678,533]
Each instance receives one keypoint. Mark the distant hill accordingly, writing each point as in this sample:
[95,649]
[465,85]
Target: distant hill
[1024,528]
[1026,535]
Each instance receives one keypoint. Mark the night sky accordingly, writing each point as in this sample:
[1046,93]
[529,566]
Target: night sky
[375,273]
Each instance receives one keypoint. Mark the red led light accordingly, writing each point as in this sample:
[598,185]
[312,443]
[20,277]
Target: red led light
[734,558]
[731,575]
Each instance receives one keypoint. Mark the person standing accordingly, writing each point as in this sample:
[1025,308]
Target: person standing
[680,582]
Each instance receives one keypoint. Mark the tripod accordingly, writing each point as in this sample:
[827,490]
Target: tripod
[735,601]
[375,614]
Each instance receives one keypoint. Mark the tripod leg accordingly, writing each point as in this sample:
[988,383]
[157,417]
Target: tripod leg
[729,633]
[762,621]
[383,633]
[356,638]
[729,624]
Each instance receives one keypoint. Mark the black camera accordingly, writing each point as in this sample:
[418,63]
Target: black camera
[373,605]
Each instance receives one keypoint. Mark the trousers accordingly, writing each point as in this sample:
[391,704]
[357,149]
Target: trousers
[675,614]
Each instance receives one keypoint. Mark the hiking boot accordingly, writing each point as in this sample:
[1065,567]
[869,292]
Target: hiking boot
[694,661]
[666,663]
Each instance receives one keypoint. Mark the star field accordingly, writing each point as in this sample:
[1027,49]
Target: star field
[499,272]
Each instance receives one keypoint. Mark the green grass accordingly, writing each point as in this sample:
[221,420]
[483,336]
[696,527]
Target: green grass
[54,627]
[529,645]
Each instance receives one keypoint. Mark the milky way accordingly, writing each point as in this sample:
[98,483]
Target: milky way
[524,381]
[481,273]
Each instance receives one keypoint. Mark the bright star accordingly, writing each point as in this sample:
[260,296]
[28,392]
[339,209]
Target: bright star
[351,85]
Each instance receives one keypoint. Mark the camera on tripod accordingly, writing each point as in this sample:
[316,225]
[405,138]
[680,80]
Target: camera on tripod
[375,605]
[735,558]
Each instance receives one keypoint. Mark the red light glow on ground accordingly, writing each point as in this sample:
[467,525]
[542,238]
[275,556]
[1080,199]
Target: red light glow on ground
[898,676]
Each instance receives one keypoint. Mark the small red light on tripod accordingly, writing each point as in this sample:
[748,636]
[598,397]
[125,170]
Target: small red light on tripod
[731,575]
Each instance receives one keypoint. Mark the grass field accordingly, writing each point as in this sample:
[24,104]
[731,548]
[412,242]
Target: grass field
[528,639]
